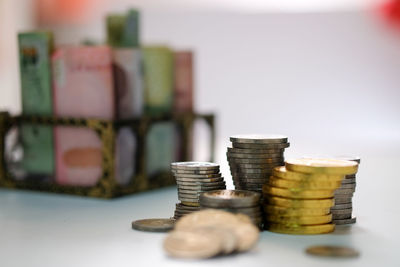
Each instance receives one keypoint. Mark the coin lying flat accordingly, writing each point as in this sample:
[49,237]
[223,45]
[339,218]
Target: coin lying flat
[300,203]
[312,185]
[277,210]
[327,166]
[333,251]
[348,186]
[204,180]
[341,216]
[185,244]
[194,165]
[260,146]
[230,198]
[342,211]
[153,225]
[299,220]
[250,175]
[259,138]
[197,176]
[343,200]
[265,157]
[348,181]
[301,230]
[350,158]
[304,194]
[345,221]
[256,151]
[241,171]
[179,171]
[342,206]
[284,173]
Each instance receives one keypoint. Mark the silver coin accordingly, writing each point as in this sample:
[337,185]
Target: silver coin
[345,221]
[265,157]
[346,200]
[260,146]
[259,138]
[180,206]
[344,191]
[348,181]
[351,176]
[342,206]
[194,165]
[348,186]
[153,225]
[201,187]
[252,180]
[255,151]
[240,171]
[203,180]
[341,216]
[254,165]
[201,183]
[250,175]
[230,199]
[178,171]
[342,211]
[198,176]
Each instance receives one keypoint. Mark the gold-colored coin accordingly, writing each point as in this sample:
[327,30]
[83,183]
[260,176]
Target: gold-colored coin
[191,204]
[299,220]
[300,203]
[277,210]
[326,166]
[284,173]
[312,185]
[333,251]
[301,230]
[301,194]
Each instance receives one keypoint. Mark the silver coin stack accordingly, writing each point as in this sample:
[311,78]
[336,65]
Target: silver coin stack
[253,157]
[235,201]
[193,178]
[343,208]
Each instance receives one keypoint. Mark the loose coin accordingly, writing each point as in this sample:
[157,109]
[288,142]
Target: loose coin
[299,220]
[153,225]
[345,221]
[260,146]
[333,251]
[230,198]
[300,203]
[312,185]
[326,166]
[192,244]
[301,230]
[283,172]
[259,138]
[194,165]
[304,194]
[277,210]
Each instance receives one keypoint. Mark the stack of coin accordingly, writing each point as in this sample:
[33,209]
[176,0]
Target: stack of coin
[343,208]
[192,179]
[235,201]
[253,157]
[299,196]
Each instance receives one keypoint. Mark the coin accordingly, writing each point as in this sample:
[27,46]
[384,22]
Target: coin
[194,196]
[299,220]
[202,187]
[181,206]
[190,203]
[239,224]
[153,225]
[230,198]
[265,157]
[348,181]
[312,185]
[333,251]
[178,171]
[188,199]
[344,191]
[351,158]
[303,194]
[188,191]
[299,230]
[250,175]
[344,221]
[204,180]
[341,216]
[194,165]
[277,210]
[260,146]
[252,180]
[256,151]
[259,138]
[283,172]
[326,166]
[300,203]
[346,200]
[192,244]
[342,211]
[198,176]
[342,206]
[351,176]
[241,171]
[199,183]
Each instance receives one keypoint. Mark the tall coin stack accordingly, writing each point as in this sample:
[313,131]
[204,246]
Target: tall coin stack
[299,197]
[192,179]
[343,208]
[235,201]
[253,157]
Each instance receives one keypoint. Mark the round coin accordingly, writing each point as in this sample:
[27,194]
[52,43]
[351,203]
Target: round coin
[343,200]
[199,183]
[303,194]
[351,158]
[326,166]
[240,171]
[349,181]
[299,220]
[250,175]
[204,180]
[283,172]
[344,191]
[194,165]
[312,185]
[265,157]
[260,146]
[300,203]
[191,204]
[341,216]
[342,211]
[202,187]
[230,199]
[345,221]
[342,206]
[178,171]
[301,230]
[197,176]
[259,138]
[277,210]
[153,225]
[192,244]
[254,165]
[333,251]
[256,151]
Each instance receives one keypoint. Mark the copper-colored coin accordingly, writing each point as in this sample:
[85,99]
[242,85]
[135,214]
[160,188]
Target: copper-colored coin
[333,251]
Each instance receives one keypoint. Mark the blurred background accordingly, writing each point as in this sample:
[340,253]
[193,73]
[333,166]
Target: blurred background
[325,73]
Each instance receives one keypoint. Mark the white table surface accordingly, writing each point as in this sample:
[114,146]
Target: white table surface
[39,229]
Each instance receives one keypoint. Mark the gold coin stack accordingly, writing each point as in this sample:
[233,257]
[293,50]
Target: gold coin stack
[193,178]
[298,196]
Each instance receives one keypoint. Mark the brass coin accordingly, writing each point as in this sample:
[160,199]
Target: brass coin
[153,225]
[277,210]
[303,194]
[259,138]
[351,158]
[326,166]
[284,173]
[299,220]
[300,203]
[260,146]
[230,199]
[312,185]
[333,251]
[301,230]
[192,244]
